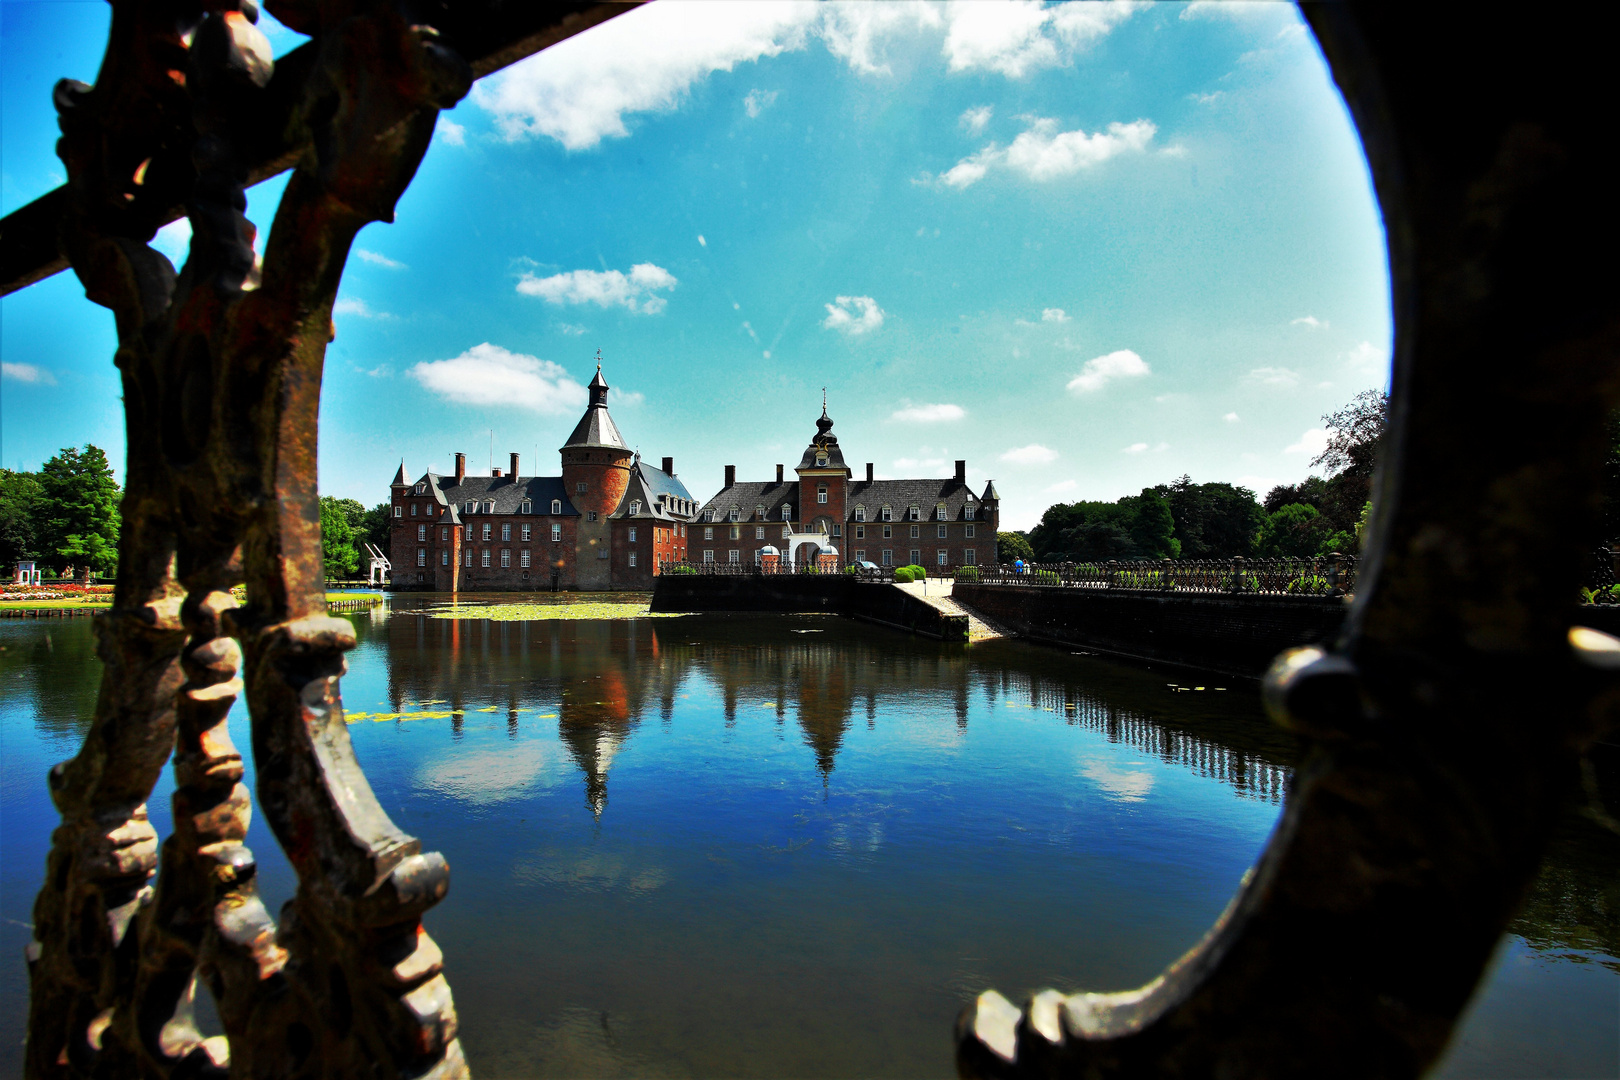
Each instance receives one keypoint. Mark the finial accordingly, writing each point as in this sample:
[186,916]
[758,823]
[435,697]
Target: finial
[823,401]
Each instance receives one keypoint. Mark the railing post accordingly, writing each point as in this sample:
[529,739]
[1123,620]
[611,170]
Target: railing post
[1238,565]
[1167,582]
[1333,560]
[1113,572]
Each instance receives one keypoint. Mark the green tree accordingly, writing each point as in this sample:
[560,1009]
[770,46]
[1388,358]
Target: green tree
[1013,545]
[78,519]
[20,495]
[1213,521]
[373,529]
[1297,529]
[337,538]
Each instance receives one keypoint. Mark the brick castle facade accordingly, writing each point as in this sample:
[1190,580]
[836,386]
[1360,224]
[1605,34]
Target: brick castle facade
[606,523]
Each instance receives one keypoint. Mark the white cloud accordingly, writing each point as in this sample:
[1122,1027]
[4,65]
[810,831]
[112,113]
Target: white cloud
[1060,486]
[1274,376]
[451,132]
[490,375]
[1310,322]
[348,305]
[1313,442]
[1232,9]
[579,90]
[1207,99]
[174,240]
[1053,314]
[1023,36]
[928,414]
[974,120]
[758,101]
[702,242]
[1230,418]
[571,329]
[1042,152]
[1097,373]
[381,371]
[1119,784]
[1135,448]
[853,315]
[27,373]
[378,260]
[1368,356]
[1033,454]
[853,31]
[629,398]
[604,288]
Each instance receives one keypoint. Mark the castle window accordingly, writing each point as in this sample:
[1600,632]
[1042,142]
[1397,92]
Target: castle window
[860,513]
[632,535]
[413,509]
[526,529]
[888,531]
[421,532]
[579,488]
[708,555]
[556,532]
[444,534]
[787,512]
[736,532]
[527,507]
[860,532]
[821,493]
[556,506]
[444,557]
[708,532]
[523,558]
[421,556]
[506,557]
[484,557]
[469,556]
[635,508]
[421,489]
[489,506]
[469,535]
[399,511]
[914,514]
[735,515]
[942,532]
[838,530]
[487,528]
[939,511]
[887,514]
[916,530]
[969,533]
[632,558]
[506,532]
[970,557]
[759,513]
[968,511]
[759,532]
[472,507]
[736,556]
[428,509]
[787,531]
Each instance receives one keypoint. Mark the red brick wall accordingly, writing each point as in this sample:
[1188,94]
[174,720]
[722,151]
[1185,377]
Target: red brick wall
[626,576]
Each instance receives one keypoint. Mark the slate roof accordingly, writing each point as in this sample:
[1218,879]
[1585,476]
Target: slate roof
[508,493]
[649,485]
[824,440]
[749,496]
[596,427]
[902,495]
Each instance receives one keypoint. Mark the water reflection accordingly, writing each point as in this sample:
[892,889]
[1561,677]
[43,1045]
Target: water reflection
[599,681]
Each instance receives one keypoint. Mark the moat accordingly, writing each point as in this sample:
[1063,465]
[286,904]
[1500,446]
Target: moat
[797,845]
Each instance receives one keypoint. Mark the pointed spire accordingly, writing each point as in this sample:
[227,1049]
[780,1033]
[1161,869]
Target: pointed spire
[399,477]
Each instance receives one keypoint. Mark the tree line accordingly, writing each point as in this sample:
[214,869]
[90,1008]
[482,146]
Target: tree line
[1185,520]
[63,517]
[346,527]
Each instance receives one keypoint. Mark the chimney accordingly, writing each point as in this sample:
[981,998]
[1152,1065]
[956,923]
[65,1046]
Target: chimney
[868,472]
[731,475]
[461,467]
[496,473]
[961,471]
[778,474]
[513,472]
[669,466]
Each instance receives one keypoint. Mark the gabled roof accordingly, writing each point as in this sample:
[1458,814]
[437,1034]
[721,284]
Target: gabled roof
[901,495]
[650,485]
[749,496]
[507,492]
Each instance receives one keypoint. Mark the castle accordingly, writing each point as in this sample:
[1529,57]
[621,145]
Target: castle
[605,523]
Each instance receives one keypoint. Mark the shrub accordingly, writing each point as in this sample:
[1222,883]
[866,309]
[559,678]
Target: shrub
[903,575]
[967,573]
[682,570]
[1139,579]
[1309,584]
[849,570]
[1044,577]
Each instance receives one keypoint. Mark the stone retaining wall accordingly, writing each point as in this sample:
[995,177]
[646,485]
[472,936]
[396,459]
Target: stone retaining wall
[1237,635]
[833,593]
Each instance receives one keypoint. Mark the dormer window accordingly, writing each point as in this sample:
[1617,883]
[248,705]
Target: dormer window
[787,512]
[527,507]
[556,506]
[734,515]
[635,507]
[421,489]
[472,507]
[968,511]
[914,514]
[759,513]
[489,506]
[860,513]
[888,514]
[939,512]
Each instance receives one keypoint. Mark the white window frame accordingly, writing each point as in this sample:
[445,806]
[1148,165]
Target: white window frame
[506,532]
[635,507]
[556,506]
[484,557]
[969,531]
[489,529]
[527,507]
[489,506]
[914,513]
[580,488]
[860,532]
[472,506]
[444,556]
[888,556]
[940,512]
[916,556]
[421,489]
[821,493]
[759,532]
[970,557]
[941,532]
[736,557]
[632,558]
[860,513]
[469,557]
[632,534]
[421,533]
[968,511]
[787,512]
[421,556]
[734,514]
[526,532]
[943,556]
[556,531]
[469,531]
[860,554]
[887,513]
[916,532]
[523,558]
[506,558]
[399,511]
[708,555]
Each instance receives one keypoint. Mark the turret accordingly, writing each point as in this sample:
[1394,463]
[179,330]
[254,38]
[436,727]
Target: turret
[595,456]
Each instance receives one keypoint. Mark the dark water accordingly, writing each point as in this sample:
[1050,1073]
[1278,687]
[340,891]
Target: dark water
[766,846]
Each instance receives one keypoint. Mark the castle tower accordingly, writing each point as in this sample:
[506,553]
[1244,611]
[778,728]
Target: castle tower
[823,482]
[596,473]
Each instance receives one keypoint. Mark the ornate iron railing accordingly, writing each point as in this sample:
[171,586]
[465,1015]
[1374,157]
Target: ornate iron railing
[1328,575]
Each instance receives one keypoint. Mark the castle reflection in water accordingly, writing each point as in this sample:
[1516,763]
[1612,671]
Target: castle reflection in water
[599,680]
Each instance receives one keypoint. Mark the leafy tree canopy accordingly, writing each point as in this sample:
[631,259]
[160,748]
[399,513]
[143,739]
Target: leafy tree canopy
[337,537]
[20,495]
[1355,433]
[1011,546]
[1212,521]
[1135,527]
[78,518]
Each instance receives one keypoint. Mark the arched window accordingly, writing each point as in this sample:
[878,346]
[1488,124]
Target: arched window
[526,506]
[787,512]
[556,506]
[939,511]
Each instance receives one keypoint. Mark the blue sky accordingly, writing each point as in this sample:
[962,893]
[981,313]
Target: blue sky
[1087,247]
